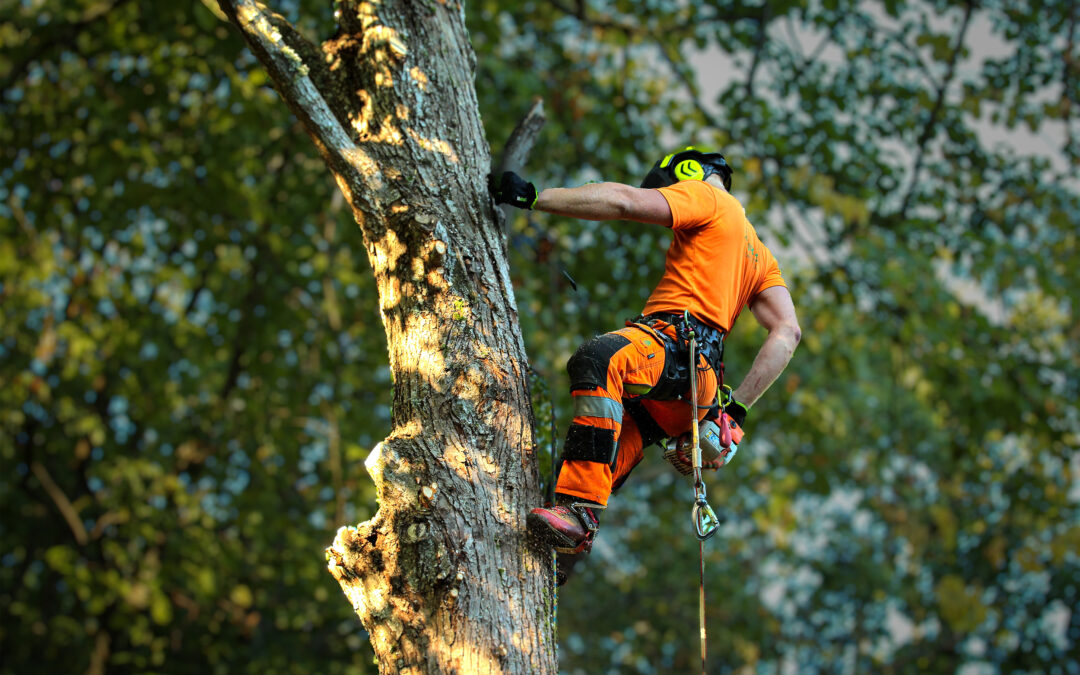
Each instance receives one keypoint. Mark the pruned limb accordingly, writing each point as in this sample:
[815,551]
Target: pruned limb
[522,139]
[517,150]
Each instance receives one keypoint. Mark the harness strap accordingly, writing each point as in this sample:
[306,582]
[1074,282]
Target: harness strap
[675,377]
[710,340]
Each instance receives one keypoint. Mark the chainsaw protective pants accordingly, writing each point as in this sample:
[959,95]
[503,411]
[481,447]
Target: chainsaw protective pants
[604,443]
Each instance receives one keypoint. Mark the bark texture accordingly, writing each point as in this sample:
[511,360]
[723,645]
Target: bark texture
[443,577]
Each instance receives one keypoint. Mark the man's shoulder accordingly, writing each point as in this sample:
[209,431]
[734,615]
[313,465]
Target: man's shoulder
[727,200]
[691,187]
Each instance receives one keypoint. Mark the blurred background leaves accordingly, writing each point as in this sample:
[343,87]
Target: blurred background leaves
[192,366]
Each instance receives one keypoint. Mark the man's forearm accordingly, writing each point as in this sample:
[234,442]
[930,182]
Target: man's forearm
[594,201]
[770,361]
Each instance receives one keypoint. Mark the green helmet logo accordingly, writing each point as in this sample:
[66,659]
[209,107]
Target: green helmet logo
[689,169]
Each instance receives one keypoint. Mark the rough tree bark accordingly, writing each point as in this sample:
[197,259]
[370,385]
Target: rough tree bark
[442,577]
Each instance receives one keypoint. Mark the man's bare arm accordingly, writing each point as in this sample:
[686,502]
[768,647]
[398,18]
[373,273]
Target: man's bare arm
[606,201]
[775,311]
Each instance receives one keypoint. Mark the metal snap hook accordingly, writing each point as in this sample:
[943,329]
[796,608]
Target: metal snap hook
[705,521]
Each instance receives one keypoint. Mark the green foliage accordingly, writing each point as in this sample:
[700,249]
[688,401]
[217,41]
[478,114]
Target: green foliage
[193,368]
[190,353]
[907,497]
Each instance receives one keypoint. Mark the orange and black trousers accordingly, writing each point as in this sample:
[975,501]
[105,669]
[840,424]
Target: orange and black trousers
[614,378]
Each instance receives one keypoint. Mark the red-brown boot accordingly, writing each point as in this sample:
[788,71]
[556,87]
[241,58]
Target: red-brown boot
[568,527]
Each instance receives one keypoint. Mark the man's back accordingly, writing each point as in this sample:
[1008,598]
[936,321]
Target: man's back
[716,263]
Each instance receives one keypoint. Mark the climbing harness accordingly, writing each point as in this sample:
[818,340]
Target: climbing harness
[705,520]
[672,333]
[710,341]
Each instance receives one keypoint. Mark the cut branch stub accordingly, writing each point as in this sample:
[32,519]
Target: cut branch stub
[516,153]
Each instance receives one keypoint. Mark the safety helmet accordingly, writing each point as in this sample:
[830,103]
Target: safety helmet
[689,164]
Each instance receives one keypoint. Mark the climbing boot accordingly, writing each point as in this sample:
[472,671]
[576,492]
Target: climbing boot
[569,527]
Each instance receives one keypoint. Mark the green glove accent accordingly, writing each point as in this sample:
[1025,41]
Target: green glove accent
[514,190]
[735,410]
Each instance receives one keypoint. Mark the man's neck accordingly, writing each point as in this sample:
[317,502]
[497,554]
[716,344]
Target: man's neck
[714,180]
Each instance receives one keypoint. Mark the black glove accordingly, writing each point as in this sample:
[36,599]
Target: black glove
[735,410]
[514,190]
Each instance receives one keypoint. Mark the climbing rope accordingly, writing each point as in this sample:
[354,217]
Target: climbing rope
[705,520]
[701,602]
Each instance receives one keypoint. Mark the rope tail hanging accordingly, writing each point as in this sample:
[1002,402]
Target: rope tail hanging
[705,520]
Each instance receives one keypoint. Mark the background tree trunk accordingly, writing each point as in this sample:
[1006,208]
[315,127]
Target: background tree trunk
[442,577]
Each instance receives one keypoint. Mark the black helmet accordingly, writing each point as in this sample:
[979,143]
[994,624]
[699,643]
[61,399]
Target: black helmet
[689,164]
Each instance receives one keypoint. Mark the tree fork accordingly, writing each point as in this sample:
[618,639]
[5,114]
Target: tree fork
[442,577]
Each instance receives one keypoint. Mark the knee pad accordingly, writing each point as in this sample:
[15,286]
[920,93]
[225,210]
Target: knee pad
[588,366]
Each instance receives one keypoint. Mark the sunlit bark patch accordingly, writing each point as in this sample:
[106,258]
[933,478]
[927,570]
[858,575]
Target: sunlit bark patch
[435,145]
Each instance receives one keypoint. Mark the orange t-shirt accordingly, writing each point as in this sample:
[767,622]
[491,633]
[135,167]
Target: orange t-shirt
[716,264]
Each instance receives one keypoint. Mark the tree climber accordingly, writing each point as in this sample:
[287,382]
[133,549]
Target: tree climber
[631,387]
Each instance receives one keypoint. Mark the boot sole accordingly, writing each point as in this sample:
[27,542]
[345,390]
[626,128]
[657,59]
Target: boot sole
[542,532]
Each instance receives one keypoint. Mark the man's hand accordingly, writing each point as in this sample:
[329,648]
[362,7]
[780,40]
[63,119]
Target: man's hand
[514,190]
[727,403]
[733,417]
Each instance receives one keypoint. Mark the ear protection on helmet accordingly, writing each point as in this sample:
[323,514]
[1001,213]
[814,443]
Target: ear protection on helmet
[689,164]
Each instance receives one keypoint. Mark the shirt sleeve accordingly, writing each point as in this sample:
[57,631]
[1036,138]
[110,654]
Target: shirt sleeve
[771,277]
[692,203]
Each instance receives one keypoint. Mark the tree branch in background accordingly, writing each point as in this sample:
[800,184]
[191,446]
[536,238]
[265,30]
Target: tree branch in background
[334,459]
[671,53]
[63,504]
[631,27]
[931,122]
[762,37]
[667,42]
[100,656]
[805,61]
[1069,68]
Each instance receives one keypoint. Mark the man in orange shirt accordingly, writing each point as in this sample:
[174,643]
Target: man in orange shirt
[631,387]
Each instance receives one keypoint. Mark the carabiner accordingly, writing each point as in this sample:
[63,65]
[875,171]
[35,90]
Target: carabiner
[705,521]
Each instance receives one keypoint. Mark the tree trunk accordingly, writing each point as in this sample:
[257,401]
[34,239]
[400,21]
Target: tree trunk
[442,577]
